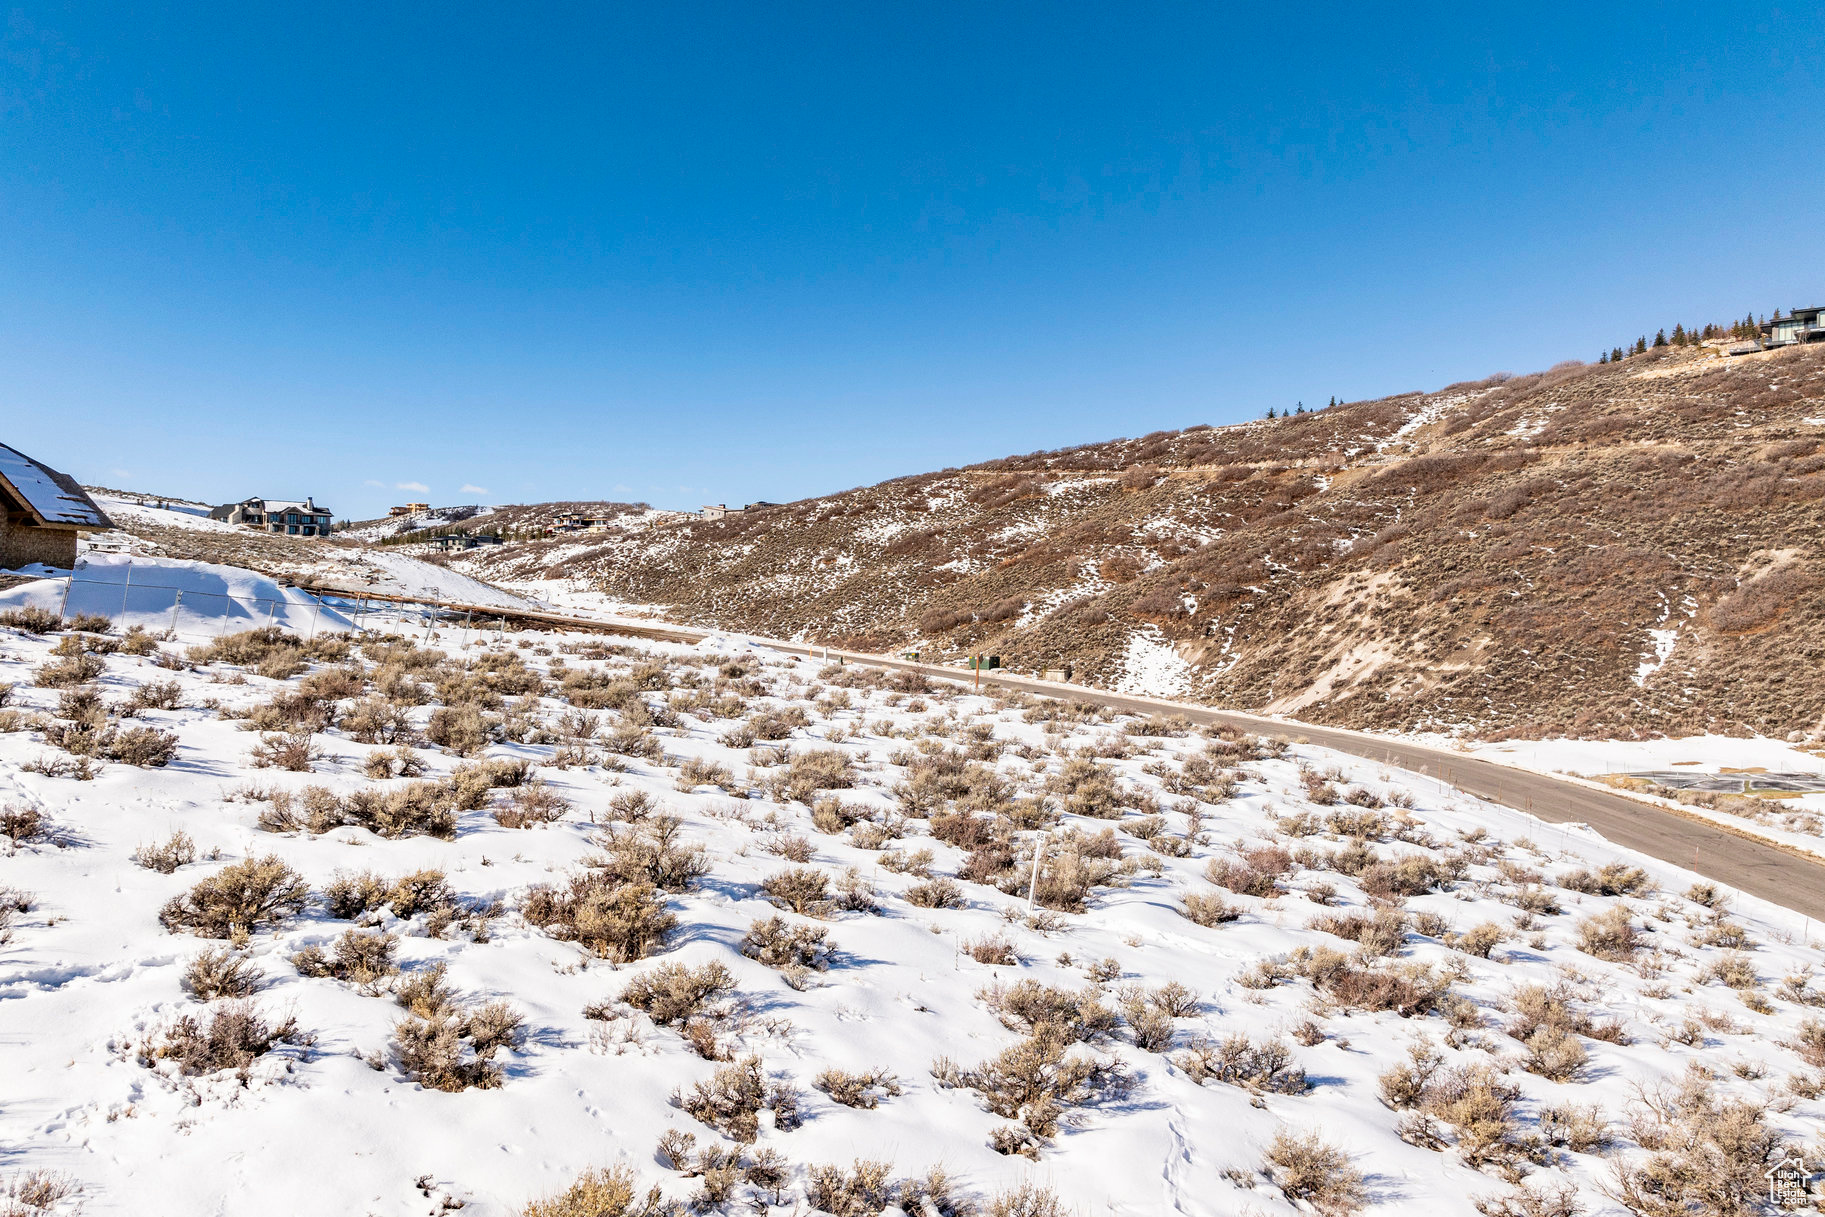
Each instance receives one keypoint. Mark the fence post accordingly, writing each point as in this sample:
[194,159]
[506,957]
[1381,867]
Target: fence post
[175,605]
[126,587]
[64,608]
[318,612]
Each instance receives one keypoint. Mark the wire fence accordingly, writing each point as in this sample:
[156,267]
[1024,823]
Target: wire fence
[199,613]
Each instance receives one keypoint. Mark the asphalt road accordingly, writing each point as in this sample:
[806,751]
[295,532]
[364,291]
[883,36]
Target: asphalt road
[1755,867]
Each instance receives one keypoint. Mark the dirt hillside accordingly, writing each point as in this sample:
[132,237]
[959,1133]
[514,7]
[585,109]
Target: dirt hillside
[1598,549]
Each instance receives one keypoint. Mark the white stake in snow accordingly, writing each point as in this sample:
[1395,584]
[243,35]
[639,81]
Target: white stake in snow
[1039,853]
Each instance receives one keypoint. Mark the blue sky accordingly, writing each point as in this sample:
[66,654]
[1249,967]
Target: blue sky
[691,253]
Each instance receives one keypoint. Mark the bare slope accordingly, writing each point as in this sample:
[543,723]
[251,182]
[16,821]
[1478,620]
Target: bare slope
[1601,549]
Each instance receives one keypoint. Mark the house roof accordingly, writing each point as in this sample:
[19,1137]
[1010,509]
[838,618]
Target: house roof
[52,498]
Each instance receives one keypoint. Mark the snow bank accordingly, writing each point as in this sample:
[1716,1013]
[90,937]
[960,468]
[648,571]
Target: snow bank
[1152,667]
[168,594]
[408,576]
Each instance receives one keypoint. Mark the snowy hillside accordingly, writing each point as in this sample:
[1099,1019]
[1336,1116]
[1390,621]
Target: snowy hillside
[392,926]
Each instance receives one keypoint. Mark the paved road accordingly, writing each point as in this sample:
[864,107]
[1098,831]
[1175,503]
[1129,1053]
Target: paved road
[1742,862]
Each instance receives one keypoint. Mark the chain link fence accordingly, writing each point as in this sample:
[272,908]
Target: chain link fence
[197,614]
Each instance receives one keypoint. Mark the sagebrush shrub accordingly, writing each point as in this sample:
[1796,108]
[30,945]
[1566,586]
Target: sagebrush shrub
[1610,935]
[937,894]
[733,1098]
[1037,1080]
[612,919]
[452,1049]
[802,889]
[1239,1061]
[862,1191]
[603,1192]
[177,850]
[1208,909]
[31,620]
[1306,1168]
[222,972]
[864,1090]
[238,899]
[232,1036]
[780,944]
[672,993]
[362,958]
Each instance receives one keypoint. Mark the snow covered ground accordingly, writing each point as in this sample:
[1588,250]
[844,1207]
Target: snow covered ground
[403,575]
[1469,927]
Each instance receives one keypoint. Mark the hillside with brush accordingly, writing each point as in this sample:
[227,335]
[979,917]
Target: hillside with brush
[1602,549]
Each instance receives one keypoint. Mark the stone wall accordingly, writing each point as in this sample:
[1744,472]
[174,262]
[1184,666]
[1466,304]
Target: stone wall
[21,545]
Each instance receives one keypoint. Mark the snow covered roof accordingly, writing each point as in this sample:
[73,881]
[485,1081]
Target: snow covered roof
[54,498]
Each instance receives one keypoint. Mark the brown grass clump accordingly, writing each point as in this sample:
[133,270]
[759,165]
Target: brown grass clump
[238,900]
[1038,1081]
[1208,909]
[1308,1170]
[295,753]
[222,972]
[1613,879]
[1257,873]
[69,671]
[450,1048]
[1610,936]
[1077,1014]
[232,1036]
[864,1090]
[535,803]
[1410,990]
[862,1191]
[809,772]
[612,919]
[31,620]
[21,823]
[1704,1155]
[1383,932]
[802,889]
[650,851]
[361,958]
[1240,1061]
[1028,1200]
[936,894]
[605,1192]
[779,944]
[733,1098]
[672,993]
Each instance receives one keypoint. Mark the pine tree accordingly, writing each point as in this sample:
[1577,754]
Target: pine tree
[1616,355]
[1641,345]
[1300,409]
[1270,412]
[1660,338]
[1679,334]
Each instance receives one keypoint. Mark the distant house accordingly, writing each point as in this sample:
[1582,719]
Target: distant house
[715,511]
[41,513]
[464,540]
[294,519]
[409,509]
[1801,325]
[571,521]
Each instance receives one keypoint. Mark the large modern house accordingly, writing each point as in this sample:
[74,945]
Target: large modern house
[294,519]
[1801,325]
[41,513]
